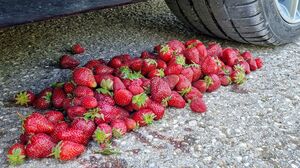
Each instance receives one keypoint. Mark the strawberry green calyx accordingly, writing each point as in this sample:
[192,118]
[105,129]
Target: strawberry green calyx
[57,84]
[104,91]
[164,49]
[192,45]
[185,91]
[100,136]
[48,96]
[208,80]
[125,71]
[22,98]
[117,133]
[140,99]
[226,71]
[107,84]
[229,80]
[180,59]
[165,101]
[239,68]
[239,78]
[149,118]
[56,150]
[192,65]
[16,158]
[92,114]
[161,73]
[129,74]
[151,61]
[135,75]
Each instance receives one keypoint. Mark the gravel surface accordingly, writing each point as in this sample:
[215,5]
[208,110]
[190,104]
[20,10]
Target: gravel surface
[255,125]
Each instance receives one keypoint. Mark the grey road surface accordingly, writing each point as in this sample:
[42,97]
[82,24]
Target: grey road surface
[255,125]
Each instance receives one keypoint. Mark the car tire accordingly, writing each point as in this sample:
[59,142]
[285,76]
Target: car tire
[248,21]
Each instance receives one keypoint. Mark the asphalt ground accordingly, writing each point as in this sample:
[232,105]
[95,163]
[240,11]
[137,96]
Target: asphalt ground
[255,125]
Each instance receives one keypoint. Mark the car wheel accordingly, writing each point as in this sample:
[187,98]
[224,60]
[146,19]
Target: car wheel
[262,22]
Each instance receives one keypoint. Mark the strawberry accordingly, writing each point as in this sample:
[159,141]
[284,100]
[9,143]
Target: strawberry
[176,46]
[67,150]
[74,135]
[229,57]
[157,109]
[115,62]
[156,72]
[252,64]
[54,116]
[172,80]
[197,105]
[25,98]
[144,117]
[68,62]
[121,113]
[131,124]
[175,66]
[225,80]
[76,101]
[135,89]
[87,126]
[226,70]
[107,114]
[105,98]
[188,73]
[197,73]
[214,50]
[92,64]
[106,78]
[259,63]
[37,123]
[75,111]
[16,154]
[118,128]
[118,84]
[103,133]
[84,76]
[58,96]
[136,64]
[103,69]
[24,138]
[89,102]
[77,49]
[159,89]
[59,127]
[161,64]
[244,66]
[212,82]
[148,65]
[67,103]
[139,101]
[122,97]
[200,85]
[210,66]
[176,100]
[192,55]
[184,85]
[81,91]
[238,77]
[68,87]
[199,46]
[192,94]
[39,146]
[146,54]
[43,101]
[165,53]
[247,55]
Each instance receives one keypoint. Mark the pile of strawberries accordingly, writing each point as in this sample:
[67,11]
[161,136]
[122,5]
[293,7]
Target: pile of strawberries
[105,100]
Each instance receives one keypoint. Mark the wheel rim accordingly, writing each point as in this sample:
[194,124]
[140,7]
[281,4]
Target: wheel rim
[289,10]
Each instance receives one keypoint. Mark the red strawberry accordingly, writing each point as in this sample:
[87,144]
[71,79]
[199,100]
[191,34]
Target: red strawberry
[25,98]
[84,76]
[81,91]
[92,64]
[197,105]
[136,64]
[139,101]
[67,150]
[39,146]
[214,50]
[144,117]
[175,66]
[156,72]
[192,55]
[77,49]
[54,116]
[197,73]
[118,84]
[16,154]
[192,94]
[200,47]
[252,64]
[176,100]
[115,62]
[69,87]
[118,128]
[157,109]
[105,98]
[67,103]
[58,96]
[212,82]
[161,64]
[247,55]
[37,123]
[176,46]
[184,85]
[229,57]
[225,80]
[59,127]
[107,114]
[148,65]
[89,102]
[159,89]
[122,97]
[43,101]
[131,124]
[75,111]
[103,133]
[238,77]
[172,80]
[76,101]
[146,54]
[165,53]
[121,113]
[259,62]
[68,62]
[74,135]
[226,70]
[188,73]
[135,89]
[200,85]
[210,66]
[87,126]
[24,138]
[103,69]
[243,66]
[106,78]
